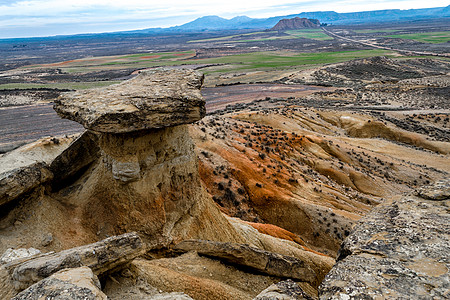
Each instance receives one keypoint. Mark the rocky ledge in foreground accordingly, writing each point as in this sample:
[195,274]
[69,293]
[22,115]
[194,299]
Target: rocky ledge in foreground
[30,268]
[399,251]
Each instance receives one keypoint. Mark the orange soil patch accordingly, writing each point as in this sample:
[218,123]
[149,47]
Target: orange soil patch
[281,233]
[180,54]
[278,232]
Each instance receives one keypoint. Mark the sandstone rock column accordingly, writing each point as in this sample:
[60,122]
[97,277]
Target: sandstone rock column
[146,179]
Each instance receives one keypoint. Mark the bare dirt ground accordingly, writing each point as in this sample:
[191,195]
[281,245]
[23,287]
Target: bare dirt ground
[219,97]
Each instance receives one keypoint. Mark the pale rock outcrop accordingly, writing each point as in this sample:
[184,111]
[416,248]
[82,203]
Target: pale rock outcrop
[399,251]
[74,284]
[438,191]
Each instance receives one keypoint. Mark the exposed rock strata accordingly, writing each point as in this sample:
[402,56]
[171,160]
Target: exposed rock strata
[146,178]
[399,251]
[313,172]
[142,180]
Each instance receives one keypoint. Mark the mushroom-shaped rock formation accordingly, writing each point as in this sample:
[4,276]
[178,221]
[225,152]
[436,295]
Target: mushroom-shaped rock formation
[146,179]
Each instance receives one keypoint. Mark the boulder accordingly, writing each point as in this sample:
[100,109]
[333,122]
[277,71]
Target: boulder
[100,257]
[283,290]
[398,251]
[68,284]
[154,99]
[245,255]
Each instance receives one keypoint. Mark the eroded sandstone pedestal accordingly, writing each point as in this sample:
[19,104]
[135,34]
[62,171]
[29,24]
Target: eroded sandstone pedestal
[146,179]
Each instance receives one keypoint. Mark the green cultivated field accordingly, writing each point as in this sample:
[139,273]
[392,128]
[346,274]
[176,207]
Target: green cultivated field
[315,34]
[70,86]
[426,37]
[253,60]
[264,61]
[375,30]
[286,60]
[226,38]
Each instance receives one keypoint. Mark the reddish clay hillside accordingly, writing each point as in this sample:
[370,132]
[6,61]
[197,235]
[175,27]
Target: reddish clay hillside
[296,23]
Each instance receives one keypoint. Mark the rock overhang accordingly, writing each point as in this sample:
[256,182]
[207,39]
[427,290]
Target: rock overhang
[155,98]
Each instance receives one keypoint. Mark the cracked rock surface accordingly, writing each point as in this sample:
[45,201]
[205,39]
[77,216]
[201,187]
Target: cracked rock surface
[399,251]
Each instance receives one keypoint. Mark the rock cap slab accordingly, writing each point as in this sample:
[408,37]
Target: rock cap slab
[154,99]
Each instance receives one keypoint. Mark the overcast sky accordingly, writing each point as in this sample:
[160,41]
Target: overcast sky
[28,18]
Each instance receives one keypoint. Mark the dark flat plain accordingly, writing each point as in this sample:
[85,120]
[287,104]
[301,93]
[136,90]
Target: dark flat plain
[22,124]
[28,123]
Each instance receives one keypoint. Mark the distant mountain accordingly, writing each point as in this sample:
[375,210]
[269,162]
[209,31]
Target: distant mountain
[331,17]
[296,23]
[214,23]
